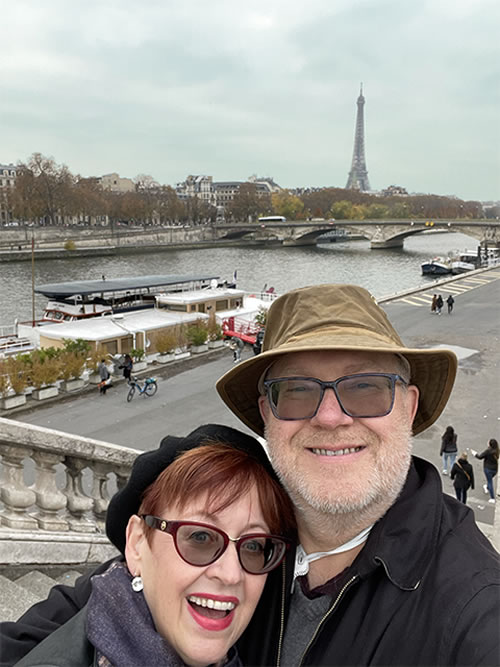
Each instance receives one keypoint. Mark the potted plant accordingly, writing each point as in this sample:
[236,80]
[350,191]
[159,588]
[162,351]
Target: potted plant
[44,372]
[12,383]
[72,360]
[181,349]
[138,356]
[166,342]
[92,364]
[215,334]
[197,335]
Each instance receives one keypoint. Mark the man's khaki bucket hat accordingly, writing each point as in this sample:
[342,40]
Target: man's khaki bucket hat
[336,317]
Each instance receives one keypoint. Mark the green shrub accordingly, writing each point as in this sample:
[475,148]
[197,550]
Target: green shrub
[214,331]
[69,245]
[166,342]
[137,354]
[197,333]
[261,317]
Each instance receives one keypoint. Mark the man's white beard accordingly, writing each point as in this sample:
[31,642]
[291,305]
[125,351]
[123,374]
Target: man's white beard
[369,496]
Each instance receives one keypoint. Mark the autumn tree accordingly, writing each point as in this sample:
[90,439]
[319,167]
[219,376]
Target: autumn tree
[245,205]
[286,204]
[43,188]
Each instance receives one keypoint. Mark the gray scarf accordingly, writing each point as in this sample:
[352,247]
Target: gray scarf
[121,628]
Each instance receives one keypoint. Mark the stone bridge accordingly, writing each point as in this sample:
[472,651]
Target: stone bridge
[380,233]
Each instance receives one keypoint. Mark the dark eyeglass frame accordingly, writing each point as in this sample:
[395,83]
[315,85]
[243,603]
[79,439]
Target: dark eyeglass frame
[393,377]
[171,527]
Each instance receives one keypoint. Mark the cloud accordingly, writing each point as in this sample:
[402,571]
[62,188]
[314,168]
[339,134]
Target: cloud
[230,89]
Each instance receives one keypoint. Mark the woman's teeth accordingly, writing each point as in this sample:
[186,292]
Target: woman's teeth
[211,604]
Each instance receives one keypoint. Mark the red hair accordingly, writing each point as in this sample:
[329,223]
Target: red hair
[225,474]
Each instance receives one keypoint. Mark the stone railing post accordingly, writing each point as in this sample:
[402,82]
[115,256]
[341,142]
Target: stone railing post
[79,502]
[100,493]
[49,499]
[16,496]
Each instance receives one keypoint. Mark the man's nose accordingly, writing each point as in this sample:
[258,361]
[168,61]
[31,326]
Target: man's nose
[330,412]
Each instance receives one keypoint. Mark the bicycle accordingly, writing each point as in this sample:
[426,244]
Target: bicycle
[149,388]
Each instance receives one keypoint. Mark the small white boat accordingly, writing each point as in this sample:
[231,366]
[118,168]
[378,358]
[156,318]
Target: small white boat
[439,266]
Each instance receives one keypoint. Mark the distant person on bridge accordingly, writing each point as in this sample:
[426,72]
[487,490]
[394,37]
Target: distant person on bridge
[439,304]
[490,466]
[433,304]
[449,449]
[450,301]
[462,475]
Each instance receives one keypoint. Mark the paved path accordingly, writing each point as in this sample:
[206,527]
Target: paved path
[189,399]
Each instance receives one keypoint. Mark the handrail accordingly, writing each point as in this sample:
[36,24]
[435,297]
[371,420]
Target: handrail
[92,470]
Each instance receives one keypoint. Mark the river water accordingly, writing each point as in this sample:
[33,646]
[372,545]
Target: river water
[383,272]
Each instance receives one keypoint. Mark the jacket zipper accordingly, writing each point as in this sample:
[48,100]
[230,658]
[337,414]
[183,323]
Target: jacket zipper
[328,613]
[282,618]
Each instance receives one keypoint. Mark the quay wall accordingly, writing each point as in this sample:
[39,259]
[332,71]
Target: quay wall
[50,242]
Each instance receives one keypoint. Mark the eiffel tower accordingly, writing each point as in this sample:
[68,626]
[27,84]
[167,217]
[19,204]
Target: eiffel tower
[358,176]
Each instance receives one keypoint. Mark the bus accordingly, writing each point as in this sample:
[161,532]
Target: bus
[273,218]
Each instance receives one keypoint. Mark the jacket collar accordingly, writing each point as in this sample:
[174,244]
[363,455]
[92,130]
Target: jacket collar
[404,540]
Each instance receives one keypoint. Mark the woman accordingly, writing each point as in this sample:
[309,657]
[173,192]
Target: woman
[127,366]
[490,466]
[448,449]
[462,475]
[210,527]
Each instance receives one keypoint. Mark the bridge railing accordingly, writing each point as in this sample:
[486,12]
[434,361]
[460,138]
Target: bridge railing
[74,478]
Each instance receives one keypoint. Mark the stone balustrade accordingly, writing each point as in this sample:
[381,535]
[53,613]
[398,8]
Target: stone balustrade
[63,510]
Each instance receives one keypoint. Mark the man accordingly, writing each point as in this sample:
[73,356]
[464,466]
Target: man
[389,571]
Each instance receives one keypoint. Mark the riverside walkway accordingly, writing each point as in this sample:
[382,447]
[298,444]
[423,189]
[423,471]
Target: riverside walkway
[188,398]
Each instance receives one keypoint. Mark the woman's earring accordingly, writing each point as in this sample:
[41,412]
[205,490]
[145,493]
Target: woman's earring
[137,584]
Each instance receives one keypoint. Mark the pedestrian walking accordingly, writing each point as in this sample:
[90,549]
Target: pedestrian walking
[127,366]
[462,475]
[236,345]
[448,449]
[433,304]
[104,375]
[490,466]
[450,301]
[439,304]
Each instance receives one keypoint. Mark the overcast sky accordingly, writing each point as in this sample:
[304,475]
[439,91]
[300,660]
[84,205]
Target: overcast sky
[231,88]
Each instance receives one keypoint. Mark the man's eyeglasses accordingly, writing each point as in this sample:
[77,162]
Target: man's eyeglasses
[361,395]
[200,544]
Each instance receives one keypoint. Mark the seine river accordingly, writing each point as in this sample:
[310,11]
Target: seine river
[383,272]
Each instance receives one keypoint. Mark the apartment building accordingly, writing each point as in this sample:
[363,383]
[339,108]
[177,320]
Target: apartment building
[7,184]
[115,183]
[221,193]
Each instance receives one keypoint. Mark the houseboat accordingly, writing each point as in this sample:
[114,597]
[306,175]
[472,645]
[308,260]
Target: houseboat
[82,299]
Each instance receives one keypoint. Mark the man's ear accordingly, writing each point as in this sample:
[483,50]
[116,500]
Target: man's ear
[264,408]
[412,396]
[135,543]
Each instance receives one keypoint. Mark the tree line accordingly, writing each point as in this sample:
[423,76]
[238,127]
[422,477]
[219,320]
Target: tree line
[47,192]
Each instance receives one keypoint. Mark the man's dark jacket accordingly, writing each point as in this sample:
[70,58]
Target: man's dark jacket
[425,590]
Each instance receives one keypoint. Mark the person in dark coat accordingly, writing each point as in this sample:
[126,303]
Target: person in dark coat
[127,366]
[450,301]
[490,466]
[448,449]
[439,304]
[462,475]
